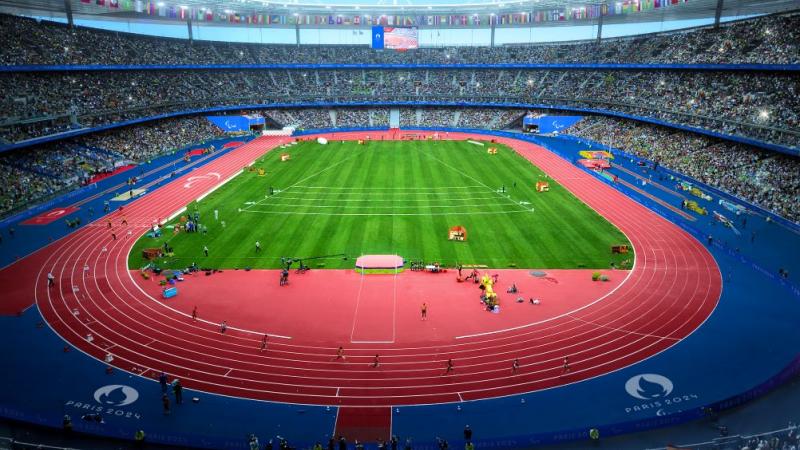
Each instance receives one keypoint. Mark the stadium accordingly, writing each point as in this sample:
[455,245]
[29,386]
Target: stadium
[422,224]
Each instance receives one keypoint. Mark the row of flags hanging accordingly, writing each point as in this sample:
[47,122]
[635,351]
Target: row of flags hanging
[575,12]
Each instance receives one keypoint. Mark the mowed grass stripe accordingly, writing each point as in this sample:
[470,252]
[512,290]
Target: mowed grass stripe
[445,183]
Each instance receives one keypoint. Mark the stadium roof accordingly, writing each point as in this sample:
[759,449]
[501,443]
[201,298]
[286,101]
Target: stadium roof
[692,9]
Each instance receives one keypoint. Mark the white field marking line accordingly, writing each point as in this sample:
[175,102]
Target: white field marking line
[312,175]
[250,204]
[621,329]
[396,199]
[358,302]
[479,206]
[151,342]
[219,185]
[176,214]
[498,195]
[480,213]
[388,194]
[330,188]
[337,391]
[460,398]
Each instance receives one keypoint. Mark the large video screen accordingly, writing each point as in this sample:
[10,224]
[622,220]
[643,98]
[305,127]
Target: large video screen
[395,37]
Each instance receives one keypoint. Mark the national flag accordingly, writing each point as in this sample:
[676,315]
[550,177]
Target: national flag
[113,4]
[138,6]
[101,2]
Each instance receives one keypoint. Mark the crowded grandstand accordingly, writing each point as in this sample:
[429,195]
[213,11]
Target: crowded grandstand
[671,155]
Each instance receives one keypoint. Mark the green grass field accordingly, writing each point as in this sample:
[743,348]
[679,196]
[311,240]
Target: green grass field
[397,197]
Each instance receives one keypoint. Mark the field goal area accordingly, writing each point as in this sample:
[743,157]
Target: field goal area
[388,201]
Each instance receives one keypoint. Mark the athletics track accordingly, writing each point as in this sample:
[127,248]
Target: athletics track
[673,288]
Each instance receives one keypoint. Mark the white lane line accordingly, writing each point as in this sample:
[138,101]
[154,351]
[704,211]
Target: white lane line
[450,213]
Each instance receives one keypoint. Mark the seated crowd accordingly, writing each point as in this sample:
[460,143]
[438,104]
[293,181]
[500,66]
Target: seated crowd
[31,175]
[762,106]
[767,179]
[771,39]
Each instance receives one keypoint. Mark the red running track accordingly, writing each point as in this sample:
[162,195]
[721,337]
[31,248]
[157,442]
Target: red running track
[674,286]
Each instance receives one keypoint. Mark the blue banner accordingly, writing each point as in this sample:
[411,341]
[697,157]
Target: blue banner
[235,123]
[377,37]
[551,124]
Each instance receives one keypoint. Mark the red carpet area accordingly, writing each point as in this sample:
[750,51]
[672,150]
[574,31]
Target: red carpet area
[672,289]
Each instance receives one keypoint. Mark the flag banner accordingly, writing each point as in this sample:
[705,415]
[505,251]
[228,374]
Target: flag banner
[574,12]
[377,37]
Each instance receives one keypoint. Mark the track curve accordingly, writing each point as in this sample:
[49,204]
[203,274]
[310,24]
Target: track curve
[673,288]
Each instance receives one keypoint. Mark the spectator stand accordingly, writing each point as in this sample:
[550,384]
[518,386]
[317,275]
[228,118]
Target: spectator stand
[154,173]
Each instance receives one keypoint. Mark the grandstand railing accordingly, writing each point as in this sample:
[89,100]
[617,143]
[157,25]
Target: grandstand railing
[9,443]
[735,442]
